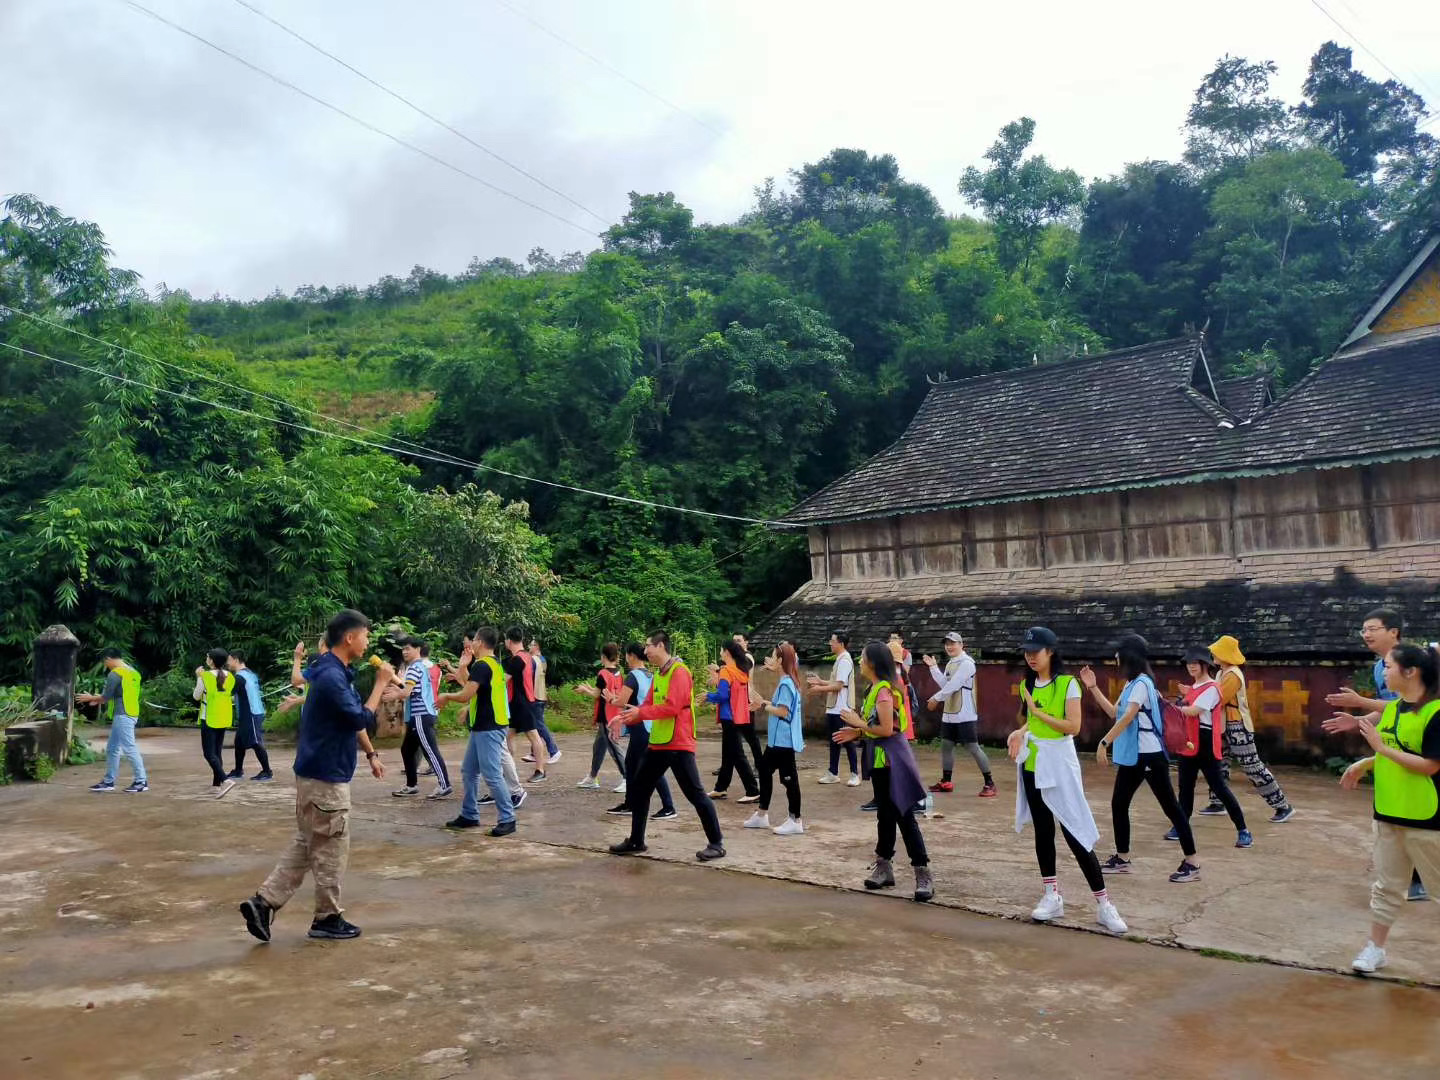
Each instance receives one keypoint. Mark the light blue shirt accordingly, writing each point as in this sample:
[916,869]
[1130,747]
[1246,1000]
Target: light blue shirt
[787,731]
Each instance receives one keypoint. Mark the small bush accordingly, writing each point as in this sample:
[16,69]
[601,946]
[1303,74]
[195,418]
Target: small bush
[165,700]
[41,768]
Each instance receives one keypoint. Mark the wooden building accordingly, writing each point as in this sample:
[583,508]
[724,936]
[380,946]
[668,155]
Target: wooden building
[1139,490]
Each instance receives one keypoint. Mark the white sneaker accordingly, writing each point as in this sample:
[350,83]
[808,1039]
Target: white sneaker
[828,778]
[758,820]
[530,758]
[556,756]
[439,793]
[1371,958]
[408,789]
[1109,918]
[619,789]
[588,783]
[1051,906]
[224,789]
[790,827]
[854,780]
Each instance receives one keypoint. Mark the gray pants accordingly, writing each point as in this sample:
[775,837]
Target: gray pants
[967,735]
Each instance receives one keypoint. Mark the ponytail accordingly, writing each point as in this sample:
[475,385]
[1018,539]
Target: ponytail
[218,658]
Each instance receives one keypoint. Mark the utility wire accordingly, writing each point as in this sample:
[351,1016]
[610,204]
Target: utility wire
[428,115]
[519,13]
[1363,47]
[419,454]
[355,119]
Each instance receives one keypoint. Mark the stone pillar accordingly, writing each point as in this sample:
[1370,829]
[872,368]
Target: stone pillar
[53,685]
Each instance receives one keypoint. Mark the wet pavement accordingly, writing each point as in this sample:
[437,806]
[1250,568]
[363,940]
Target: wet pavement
[122,954]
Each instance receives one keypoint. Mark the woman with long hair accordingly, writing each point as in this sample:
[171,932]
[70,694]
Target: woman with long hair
[1138,736]
[215,690]
[731,698]
[608,684]
[1200,703]
[1406,766]
[785,738]
[1050,788]
[894,776]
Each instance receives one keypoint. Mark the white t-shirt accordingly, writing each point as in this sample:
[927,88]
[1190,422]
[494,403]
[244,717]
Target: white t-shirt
[1144,722]
[1208,701]
[842,672]
[964,681]
[1072,694]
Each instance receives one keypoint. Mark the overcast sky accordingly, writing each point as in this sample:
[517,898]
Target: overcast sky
[209,177]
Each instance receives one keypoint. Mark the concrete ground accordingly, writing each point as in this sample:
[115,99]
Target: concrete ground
[122,955]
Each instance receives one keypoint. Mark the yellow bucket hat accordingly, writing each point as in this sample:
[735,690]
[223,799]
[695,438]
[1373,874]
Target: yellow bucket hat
[1226,650]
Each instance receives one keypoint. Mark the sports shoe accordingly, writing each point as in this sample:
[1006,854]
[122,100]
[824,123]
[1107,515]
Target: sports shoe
[749,798]
[618,789]
[870,807]
[103,785]
[619,811]
[854,780]
[441,793]
[257,916]
[408,789]
[665,813]
[589,783]
[711,852]
[538,777]
[942,785]
[1173,834]
[1371,958]
[924,884]
[627,847]
[828,778]
[517,799]
[1282,816]
[529,759]
[988,791]
[790,827]
[1051,906]
[334,927]
[235,774]
[1244,838]
[556,756]
[224,789]
[426,770]
[1109,918]
[1116,865]
[263,776]
[882,875]
[504,828]
[1188,871]
[758,820]
[139,787]
[715,796]
[485,800]
[1215,807]
[463,822]
[1417,890]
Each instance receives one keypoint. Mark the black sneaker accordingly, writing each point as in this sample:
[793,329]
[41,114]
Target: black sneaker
[103,786]
[871,807]
[505,828]
[235,774]
[627,847]
[1215,807]
[463,822]
[619,811]
[711,852]
[517,799]
[1115,865]
[257,916]
[485,800]
[334,927]
[138,787]
[665,813]
[1282,815]
[263,776]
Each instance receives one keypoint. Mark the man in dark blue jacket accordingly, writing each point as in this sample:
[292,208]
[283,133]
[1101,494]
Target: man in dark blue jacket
[332,721]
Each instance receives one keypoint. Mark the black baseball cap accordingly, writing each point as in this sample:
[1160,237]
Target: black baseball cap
[1199,654]
[1037,638]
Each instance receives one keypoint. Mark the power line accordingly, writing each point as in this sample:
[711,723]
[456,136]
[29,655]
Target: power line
[607,66]
[419,454]
[428,115]
[1363,47]
[355,119]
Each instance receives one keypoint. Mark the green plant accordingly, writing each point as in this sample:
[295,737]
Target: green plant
[80,752]
[41,768]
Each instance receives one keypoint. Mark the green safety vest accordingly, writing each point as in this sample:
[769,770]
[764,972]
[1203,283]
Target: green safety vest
[1400,793]
[499,700]
[663,729]
[219,704]
[129,691]
[1051,701]
[868,710]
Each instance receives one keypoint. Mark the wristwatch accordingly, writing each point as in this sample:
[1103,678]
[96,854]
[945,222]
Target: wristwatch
[1104,744]
[372,755]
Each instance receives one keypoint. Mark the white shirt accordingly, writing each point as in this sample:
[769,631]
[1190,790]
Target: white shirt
[1208,702]
[842,672]
[959,675]
[1144,722]
[1072,694]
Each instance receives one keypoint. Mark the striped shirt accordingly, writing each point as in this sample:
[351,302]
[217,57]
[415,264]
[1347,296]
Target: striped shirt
[418,677]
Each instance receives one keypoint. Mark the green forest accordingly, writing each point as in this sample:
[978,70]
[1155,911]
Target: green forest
[730,367]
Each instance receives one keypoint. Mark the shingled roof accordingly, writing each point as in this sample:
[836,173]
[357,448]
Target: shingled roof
[1136,418]
[1245,396]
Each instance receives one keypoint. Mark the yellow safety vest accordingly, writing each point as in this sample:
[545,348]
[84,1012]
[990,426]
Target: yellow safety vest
[1401,795]
[868,711]
[1051,701]
[663,729]
[499,700]
[219,704]
[129,692]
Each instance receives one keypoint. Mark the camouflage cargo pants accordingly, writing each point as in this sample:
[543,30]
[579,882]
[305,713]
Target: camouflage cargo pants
[321,845]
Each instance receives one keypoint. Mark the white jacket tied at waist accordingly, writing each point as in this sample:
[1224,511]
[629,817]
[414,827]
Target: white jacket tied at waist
[1057,778]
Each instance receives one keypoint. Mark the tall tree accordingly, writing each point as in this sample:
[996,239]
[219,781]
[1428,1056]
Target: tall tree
[1234,117]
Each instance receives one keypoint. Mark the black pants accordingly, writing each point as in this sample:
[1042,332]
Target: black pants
[634,754]
[1206,762]
[780,759]
[889,817]
[420,738]
[260,755]
[1044,822]
[1152,769]
[603,744]
[212,743]
[833,723]
[732,756]
[681,765]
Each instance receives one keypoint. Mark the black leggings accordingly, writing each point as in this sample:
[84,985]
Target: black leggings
[681,765]
[889,817]
[833,723]
[420,736]
[1206,762]
[780,759]
[732,756]
[260,755]
[1044,822]
[212,743]
[1152,769]
[605,743]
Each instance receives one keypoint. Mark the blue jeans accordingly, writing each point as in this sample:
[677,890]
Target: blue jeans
[122,743]
[482,758]
[544,731]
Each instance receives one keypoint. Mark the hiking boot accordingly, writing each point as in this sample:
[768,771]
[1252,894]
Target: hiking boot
[334,927]
[942,785]
[1188,871]
[882,875]
[257,916]
[924,884]
[627,847]
[988,791]
[1116,865]
[711,852]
